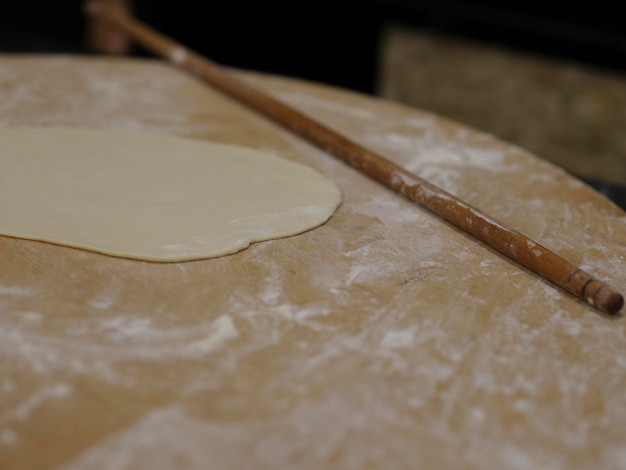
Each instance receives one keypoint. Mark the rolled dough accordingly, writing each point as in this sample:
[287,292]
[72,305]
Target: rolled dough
[152,196]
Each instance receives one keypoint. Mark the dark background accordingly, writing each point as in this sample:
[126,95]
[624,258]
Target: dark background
[333,42]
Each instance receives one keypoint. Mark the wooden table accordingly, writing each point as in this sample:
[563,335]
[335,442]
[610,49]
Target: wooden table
[383,339]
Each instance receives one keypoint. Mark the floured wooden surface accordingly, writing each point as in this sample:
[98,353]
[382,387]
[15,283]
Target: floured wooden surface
[383,339]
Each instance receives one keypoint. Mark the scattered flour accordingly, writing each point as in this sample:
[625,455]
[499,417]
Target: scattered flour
[224,329]
[16,291]
[398,339]
[34,401]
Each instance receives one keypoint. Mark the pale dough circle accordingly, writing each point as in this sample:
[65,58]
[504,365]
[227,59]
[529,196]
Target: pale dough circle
[152,196]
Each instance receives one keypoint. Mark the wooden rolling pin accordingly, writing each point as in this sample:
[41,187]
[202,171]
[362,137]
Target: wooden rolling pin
[507,241]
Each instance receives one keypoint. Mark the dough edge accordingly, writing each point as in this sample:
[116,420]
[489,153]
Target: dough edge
[309,216]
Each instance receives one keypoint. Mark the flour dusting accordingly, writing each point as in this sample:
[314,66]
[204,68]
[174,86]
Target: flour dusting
[398,339]
[16,291]
[34,401]
[8,437]
[223,329]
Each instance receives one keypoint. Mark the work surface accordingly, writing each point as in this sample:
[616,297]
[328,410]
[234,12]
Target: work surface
[383,339]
